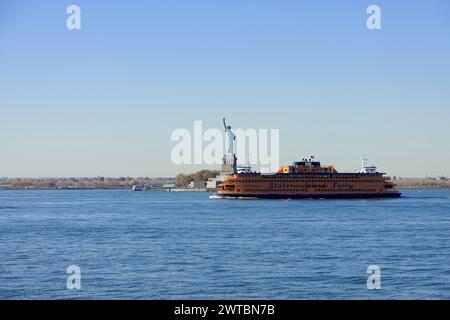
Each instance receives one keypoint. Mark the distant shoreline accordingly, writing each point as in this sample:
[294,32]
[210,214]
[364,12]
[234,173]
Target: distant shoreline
[189,190]
[156,184]
[422,184]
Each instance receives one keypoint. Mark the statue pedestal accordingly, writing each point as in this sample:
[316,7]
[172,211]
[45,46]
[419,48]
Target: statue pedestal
[228,164]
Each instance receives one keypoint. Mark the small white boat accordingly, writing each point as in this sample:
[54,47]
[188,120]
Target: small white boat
[138,188]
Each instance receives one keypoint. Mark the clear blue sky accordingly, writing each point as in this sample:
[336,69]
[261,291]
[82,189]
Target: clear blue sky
[104,100]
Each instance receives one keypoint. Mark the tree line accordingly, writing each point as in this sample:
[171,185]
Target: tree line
[182,180]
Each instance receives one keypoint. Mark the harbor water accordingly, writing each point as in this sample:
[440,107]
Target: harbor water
[180,245]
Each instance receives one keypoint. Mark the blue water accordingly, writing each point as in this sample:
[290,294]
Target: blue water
[144,245]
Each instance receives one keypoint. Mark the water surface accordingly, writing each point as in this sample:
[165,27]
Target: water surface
[163,245]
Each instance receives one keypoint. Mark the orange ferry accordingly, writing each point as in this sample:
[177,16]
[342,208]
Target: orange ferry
[307,179]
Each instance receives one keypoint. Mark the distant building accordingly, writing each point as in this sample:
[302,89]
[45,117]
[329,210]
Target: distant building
[197,185]
[168,186]
[213,183]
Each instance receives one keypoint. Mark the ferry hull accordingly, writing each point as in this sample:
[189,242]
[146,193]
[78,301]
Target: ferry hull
[314,196]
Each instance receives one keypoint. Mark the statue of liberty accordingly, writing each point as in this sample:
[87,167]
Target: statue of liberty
[229,139]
